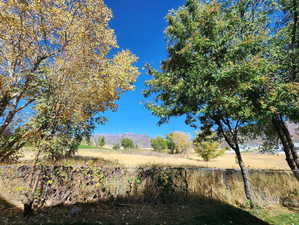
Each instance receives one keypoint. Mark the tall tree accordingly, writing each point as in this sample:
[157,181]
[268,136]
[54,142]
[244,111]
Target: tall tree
[276,101]
[215,61]
[55,59]
[284,97]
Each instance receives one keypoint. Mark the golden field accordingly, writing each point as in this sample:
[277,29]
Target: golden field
[142,158]
[270,188]
[138,158]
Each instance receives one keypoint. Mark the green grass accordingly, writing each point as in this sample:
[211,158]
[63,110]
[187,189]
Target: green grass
[279,218]
[285,219]
[88,147]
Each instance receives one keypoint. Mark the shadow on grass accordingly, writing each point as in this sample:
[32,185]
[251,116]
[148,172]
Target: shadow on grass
[8,211]
[89,158]
[83,161]
[127,211]
[4,204]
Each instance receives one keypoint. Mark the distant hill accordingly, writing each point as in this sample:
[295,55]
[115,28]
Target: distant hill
[293,129]
[141,140]
[144,141]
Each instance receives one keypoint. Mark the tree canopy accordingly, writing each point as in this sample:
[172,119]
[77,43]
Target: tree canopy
[178,142]
[127,143]
[55,60]
[215,66]
[159,144]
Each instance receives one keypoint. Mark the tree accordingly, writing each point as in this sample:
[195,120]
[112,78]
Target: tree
[55,60]
[159,144]
[87,140]
[127,143]
[178,142]
[208,149]
[278,102]
[275,100]
[170,144]
[101,141]
[214,62]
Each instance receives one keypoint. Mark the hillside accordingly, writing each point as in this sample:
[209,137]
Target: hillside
[144,141]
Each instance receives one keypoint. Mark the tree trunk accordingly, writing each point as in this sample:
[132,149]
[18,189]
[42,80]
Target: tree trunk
[288,145]
[8,120]
[245,177]
[233,143]
[4,101]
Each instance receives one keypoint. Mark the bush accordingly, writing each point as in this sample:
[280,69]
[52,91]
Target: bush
[127,143]
[159,144]
[208,150]
[116,147]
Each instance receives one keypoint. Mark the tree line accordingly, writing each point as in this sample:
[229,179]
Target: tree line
[180,142]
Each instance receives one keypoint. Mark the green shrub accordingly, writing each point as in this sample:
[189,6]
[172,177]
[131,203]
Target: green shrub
[127,143]
[159,144]
[208,150]
[116,147]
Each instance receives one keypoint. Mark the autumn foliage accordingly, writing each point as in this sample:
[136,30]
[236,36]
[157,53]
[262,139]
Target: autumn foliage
[55,63]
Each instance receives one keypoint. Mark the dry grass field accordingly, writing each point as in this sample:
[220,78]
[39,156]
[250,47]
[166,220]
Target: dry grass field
[143,158]
[138,158]
[194,211]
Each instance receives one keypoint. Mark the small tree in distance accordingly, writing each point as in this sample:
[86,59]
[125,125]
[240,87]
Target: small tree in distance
[127,143]
[178,142]
[101,141]
[87,140]
[208,150]
[159,144]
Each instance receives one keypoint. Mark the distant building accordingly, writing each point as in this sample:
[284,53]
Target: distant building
[281,151]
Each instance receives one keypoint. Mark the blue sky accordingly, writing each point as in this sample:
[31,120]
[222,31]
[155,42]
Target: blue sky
[139,26]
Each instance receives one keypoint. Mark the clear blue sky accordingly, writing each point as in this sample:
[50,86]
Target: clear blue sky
[139,26]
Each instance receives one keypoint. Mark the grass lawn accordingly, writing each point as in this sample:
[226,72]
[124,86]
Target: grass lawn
[87,147]
[278,216]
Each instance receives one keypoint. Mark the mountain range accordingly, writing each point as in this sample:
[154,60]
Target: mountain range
[142,141]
